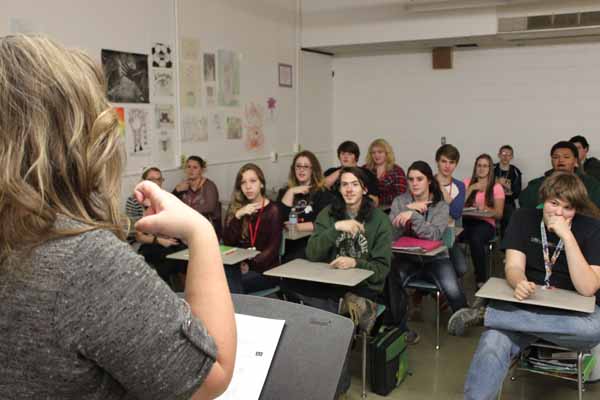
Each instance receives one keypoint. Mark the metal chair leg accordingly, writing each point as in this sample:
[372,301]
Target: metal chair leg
[364,365]
[437,321]
[580,375]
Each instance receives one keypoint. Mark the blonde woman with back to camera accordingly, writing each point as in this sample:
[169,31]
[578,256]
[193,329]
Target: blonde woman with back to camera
[82,316]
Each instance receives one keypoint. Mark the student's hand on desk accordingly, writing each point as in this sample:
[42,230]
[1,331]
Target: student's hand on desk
[248,209]
[167,216]
[524,290]
[349,225]
[559,225]
[343,263]
[401,219]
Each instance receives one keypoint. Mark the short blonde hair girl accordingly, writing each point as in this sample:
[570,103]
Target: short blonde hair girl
[390,160]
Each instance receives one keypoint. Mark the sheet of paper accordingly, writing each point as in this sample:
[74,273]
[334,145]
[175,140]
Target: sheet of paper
[257,340]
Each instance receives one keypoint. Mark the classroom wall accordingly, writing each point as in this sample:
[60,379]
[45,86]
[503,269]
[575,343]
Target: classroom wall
[529,97]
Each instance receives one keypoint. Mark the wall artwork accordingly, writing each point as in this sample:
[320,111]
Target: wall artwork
[127,76]
[139,141]
[228,64]
[165,116]
[121,118]
[161,56]
[195,127]
[190,49]
[210,69]
[234,128]
[210,95]
[191,76]
[255,137]
[216,127]
[163,84]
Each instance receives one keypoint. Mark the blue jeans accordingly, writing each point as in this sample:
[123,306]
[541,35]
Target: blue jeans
[437,269]
[511,328]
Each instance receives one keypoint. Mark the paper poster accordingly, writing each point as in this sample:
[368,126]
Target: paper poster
[164,140]
[210,94]
[190,84]
[162,83]
[229,78]
[139,132]
[121,115]
[195,127]
[190,49]
[210,70]
[234,128]
[254,115]
[161,56]
[165,116]
[127,76]
[216,124]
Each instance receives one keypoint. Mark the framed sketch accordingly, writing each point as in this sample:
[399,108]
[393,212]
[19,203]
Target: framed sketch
[285,75]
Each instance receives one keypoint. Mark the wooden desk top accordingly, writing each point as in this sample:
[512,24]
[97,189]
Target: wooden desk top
[230,257]
[420,253]
[319,272]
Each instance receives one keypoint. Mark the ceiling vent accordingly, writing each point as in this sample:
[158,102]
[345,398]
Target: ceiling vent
[554,26]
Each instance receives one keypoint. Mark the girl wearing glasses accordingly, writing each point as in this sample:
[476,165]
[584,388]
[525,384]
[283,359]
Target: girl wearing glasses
[307,195]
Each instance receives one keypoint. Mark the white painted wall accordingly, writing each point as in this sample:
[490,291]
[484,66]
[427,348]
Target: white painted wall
[529,97]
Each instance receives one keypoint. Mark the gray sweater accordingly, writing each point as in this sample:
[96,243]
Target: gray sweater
[430,226]
[86,318]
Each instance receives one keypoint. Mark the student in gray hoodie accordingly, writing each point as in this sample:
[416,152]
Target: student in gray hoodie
[422,213]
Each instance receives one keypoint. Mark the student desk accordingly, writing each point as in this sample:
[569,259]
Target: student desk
[287,235]
[419,253]
[470,212]
[232,257]
[319,272]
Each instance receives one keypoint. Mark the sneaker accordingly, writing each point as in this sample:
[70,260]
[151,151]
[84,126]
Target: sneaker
[411,337]
[363,312]
[465,318]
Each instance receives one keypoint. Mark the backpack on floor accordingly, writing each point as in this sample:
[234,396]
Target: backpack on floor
[387,360]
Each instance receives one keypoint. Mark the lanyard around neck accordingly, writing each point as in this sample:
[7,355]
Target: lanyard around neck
[254,230]
[549,262]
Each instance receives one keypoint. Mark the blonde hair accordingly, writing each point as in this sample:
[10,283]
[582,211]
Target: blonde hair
[60,151]
[390,160]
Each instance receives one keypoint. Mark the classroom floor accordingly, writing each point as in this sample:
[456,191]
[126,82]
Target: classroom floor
[441,374]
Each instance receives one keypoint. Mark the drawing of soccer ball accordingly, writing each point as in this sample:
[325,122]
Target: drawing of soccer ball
[161,56]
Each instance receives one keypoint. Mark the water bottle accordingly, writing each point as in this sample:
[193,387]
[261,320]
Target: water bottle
[292,222]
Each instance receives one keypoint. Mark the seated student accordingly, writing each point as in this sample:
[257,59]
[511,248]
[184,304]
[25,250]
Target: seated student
[567,241]
[135,210]
[589,165]
[350,233]
[564,157]
[82,315]
[391,180]
[307,195]
[199,192]
[509,177]
[348,154]
[486,195]
[252,221]
[447,158]
[423,213]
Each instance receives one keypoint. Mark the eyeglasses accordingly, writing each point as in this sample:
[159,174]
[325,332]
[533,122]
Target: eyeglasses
[300,166]
[156,180]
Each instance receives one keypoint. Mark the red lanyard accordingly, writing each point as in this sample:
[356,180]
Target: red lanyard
[254,231]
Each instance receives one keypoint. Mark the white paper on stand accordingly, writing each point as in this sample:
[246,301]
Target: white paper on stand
[257,340]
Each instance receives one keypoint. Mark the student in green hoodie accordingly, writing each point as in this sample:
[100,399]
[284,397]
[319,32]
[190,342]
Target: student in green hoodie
[350,233]
[564,157]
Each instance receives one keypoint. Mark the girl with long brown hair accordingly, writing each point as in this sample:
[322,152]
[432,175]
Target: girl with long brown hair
[485,195]
[252,221]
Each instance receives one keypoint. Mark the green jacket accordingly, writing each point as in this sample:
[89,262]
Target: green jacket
[322,245]
[530,197]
